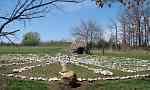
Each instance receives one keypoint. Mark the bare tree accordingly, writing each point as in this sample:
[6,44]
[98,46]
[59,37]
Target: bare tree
[26,10]
[89,32]
[115,27]
[136,23]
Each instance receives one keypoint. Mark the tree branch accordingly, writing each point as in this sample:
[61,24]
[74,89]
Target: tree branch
[9,40]
[22,9]
[5,18]
[8,33]
[31,17]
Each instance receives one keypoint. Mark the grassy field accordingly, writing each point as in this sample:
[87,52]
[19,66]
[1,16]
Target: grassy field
[27,85]
[52,49]
[49,71]
[121,85]
[139,54]
[53,70]
[98,85]
[81,72]
[64,48]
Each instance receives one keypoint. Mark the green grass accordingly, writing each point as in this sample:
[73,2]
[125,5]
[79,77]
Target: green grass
[130,84]
[139,54]
[82,72]
[27,85]
[121,85]
[53,49]
[51,70]
[63,48]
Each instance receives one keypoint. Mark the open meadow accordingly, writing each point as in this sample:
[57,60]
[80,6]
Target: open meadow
[38,68]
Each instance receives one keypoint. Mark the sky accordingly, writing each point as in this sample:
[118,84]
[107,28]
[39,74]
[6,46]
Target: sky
[57,24]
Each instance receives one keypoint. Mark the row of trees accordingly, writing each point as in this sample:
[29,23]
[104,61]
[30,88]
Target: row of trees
[133,26]
[136,28]
[131,30]
[34,39]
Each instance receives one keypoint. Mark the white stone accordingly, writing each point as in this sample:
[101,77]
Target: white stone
[44,79]
[35,78]
[23,77]
[106,72]
[38,65]
[16,70]
[79,79]
[39,78]
[31,78]
[10,75]
[53,79]
[83,79]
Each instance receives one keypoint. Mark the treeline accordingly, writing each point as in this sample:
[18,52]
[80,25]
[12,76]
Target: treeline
[132,30]
[33,39]
[48,43]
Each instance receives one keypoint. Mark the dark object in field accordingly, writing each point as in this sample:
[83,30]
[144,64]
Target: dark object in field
[80,85]
[71,81]
[79,50]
